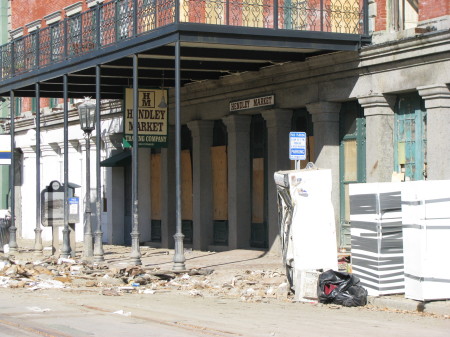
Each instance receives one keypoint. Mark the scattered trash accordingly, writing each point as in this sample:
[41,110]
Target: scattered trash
[121,279]
[64,260]
[195,292]
[37,309]
[111,292]
[121,312]
[341,288]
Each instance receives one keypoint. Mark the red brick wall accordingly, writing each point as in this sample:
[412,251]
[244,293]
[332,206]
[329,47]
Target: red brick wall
[26,11]
[381,18]
[26,104]
[429,9]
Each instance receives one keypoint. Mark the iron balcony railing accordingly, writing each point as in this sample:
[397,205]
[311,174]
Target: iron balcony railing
[119,20]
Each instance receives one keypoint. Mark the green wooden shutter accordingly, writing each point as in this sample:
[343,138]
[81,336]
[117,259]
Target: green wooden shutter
[410,137]
[352,161]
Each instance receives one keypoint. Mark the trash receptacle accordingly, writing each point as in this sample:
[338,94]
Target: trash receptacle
[5,223]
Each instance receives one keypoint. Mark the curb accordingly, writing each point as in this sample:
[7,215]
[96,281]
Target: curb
[402,303]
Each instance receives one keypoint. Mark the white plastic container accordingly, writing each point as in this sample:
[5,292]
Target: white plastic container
[426,236]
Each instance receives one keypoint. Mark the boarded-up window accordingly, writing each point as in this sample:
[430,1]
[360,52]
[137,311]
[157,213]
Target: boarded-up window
[351,160]
[155,186]
[186,185]
[220,182]
[258,190]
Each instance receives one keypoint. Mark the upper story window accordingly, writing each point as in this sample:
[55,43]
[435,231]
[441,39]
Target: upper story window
[404,14]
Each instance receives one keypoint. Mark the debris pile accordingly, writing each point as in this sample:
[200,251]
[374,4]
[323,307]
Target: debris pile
[52,272]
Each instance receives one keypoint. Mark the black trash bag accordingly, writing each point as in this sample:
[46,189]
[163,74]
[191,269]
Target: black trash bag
[340,288]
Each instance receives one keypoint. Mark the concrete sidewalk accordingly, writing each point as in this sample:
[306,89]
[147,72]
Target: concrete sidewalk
[225,265]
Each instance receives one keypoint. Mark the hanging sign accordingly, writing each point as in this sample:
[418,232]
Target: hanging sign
[152,118]
[5,150]
[252,103]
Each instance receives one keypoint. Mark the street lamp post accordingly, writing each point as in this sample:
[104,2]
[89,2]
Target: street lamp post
[86,111]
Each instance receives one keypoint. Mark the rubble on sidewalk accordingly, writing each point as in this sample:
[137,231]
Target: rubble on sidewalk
[51,272]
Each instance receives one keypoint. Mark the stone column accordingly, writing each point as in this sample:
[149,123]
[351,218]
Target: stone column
[27,206]
[202,140]
[144,211]
[239,189]
[325,117]
[437,104]
[168,220]
[278,123]
[113,180]
[379,113]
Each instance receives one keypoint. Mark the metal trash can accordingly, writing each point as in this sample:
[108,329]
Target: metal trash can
[5,223]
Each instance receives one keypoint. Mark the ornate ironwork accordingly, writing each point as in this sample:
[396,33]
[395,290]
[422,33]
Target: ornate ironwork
[119,20]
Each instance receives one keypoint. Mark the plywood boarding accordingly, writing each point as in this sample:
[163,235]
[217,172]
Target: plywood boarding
[186,185]
[220,182]
[350,163]
[258,190]
[155,186]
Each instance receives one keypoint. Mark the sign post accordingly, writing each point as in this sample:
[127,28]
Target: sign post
[5,150]
[297,147]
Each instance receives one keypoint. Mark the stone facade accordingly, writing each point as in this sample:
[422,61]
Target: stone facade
[374,78]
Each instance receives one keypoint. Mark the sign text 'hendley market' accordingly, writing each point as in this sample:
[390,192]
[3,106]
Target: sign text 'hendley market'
[152,117]
[252,103]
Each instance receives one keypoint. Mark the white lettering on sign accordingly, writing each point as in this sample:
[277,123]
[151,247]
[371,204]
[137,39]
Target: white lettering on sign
[252,103]
[153,121]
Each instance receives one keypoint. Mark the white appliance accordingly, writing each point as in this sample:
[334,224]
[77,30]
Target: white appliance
[376,237]
[426,236]
[307,226]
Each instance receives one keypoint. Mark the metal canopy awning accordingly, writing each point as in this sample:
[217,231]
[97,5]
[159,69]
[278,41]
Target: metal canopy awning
[206,54]
[117,160]
[162,44]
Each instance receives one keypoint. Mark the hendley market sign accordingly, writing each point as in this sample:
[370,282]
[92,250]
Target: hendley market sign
[152,118]
[252,103]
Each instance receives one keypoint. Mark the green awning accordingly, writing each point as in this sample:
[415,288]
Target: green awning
[120,159]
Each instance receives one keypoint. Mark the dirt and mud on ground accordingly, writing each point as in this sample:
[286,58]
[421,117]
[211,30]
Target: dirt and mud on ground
[245,275]
[249,275]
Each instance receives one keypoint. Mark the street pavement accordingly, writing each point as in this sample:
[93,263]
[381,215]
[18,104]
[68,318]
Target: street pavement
[228,269]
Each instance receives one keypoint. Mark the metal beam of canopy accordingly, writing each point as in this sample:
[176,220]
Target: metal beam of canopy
[178,258]
[12,229]
[66,251]
[135,251]
[98,235]
[38,248]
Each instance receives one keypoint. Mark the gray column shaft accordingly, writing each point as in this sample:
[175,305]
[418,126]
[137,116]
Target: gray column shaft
[144,194]
[202,140]
[168,221]
[278,122]
[239,189]
[325,117]
[379,113]
[437,104]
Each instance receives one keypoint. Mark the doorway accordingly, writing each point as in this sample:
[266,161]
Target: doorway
[259,236]
[410,141]
[352,162]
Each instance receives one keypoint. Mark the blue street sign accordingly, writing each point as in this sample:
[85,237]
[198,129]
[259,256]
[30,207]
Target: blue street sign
[297,145]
